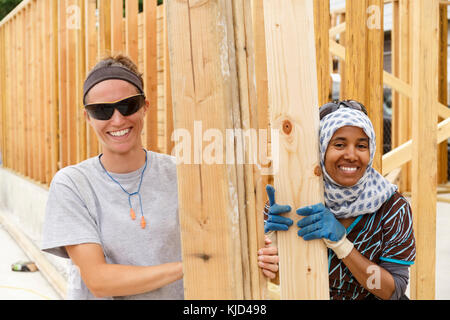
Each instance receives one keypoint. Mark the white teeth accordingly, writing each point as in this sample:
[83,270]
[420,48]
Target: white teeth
[348,169]
[119,133]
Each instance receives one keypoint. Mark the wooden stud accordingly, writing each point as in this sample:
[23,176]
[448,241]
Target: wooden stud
[132,9]
[63,79]
[322,22]
[91,59]
[424,149]
[117,26]
[443,90]
[105,27]
[292,78]
[202,32]
[71,64]
[150,73]
[80,43]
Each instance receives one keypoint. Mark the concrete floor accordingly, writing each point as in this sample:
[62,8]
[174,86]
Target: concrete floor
[20,285]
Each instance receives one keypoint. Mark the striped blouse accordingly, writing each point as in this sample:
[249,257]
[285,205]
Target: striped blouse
[385,235]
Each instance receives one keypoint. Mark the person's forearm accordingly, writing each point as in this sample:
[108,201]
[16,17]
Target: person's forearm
[371,276]
[121,280]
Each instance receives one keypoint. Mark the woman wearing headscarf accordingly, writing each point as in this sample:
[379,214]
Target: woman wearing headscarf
[365,222]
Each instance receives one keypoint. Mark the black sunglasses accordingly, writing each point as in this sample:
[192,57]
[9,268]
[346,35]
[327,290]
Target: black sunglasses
[330,107]
[105,110]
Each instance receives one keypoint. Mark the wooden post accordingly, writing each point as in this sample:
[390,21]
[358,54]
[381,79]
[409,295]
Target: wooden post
[168,128]
[132,10]
[424,115]
[293,96]
[91,48]
[404,113]
[364,62]
[150,72]
[117,26]
[322,23]
[211,189]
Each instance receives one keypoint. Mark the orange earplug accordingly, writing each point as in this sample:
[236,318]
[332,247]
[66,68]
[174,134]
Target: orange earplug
[143,223]
[132,214]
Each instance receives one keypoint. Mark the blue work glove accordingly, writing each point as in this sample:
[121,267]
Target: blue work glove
[275,222]
[319,223]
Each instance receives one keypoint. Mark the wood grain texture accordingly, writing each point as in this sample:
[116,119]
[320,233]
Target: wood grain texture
[202,75]
[424,148]
[293,100]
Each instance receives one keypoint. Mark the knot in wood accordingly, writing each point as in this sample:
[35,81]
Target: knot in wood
[318,171]
[287,127]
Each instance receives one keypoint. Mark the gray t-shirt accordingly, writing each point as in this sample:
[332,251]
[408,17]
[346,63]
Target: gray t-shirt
[86,206]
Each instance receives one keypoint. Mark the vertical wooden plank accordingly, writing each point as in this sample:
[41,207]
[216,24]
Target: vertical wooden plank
[80,72]
[374,76]
[40,91]
[424,115]
[151,73]
[395,62]
[104,9]
[13,93]
[62,72]
[2,97]
[54,83]
[262,105]
[27,95]
[34,93]
[117,26]
[167,94]
[91,58]
[131,16]
[202,32]
[322,22]
[292,74]
[45,12]
[70,19]
[405,65]
[443,88]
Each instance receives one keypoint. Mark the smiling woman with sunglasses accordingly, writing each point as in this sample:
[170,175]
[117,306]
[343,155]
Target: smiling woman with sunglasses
[365,222]
[116,215]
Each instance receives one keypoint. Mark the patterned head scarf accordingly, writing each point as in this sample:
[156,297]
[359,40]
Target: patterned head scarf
[372,190]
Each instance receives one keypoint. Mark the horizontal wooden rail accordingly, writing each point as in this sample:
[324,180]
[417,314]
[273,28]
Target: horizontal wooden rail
[403,153]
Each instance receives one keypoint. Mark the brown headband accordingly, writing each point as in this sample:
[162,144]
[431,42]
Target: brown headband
[110,72]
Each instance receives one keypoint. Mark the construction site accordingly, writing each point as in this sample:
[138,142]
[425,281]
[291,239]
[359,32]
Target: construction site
[234,89]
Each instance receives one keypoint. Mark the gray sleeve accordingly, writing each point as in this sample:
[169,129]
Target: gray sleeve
[400,273]
[67,219]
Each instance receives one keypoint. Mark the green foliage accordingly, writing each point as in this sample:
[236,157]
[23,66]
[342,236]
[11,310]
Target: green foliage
[6,7]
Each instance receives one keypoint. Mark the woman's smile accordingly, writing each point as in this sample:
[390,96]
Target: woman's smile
[348,155]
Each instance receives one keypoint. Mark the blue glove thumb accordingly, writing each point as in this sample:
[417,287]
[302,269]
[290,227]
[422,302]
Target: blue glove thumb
[275,222]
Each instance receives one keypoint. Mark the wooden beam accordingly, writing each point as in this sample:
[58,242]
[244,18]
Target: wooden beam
[292,74]
[443,91]
[322,26]
[132,10]
[403,153]
[91,54]
[150,73]
[424,149]
[117,26]
[205,93]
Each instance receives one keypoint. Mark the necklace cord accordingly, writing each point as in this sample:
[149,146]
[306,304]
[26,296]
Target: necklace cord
[129,194]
